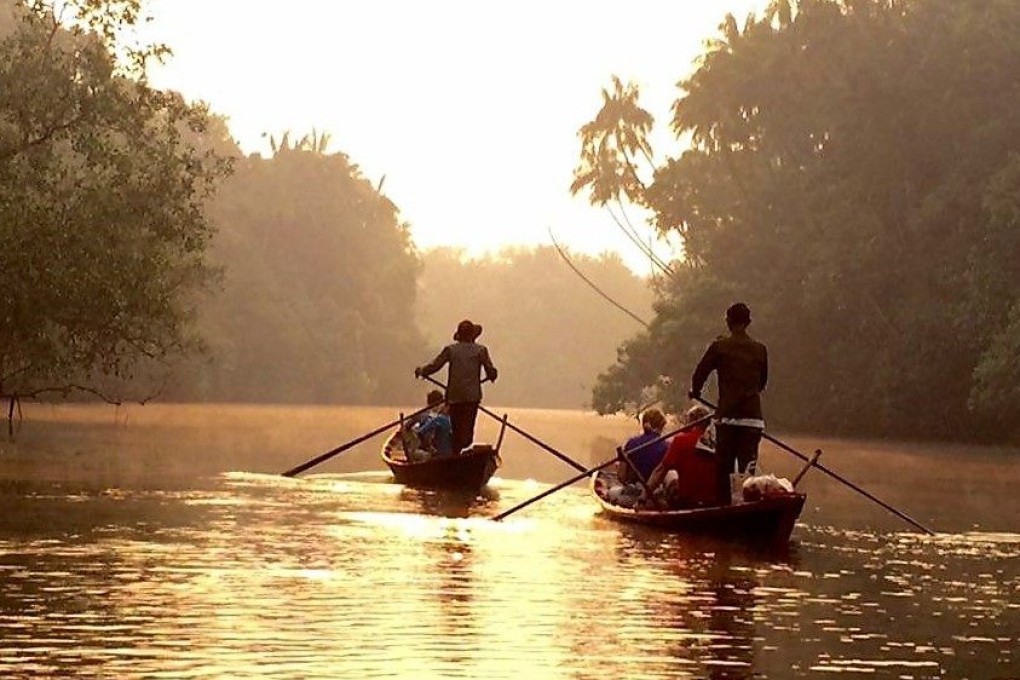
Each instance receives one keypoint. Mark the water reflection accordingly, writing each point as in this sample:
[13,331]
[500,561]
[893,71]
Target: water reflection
[451,502]
[352,576]
[704,599]
[452,559]
[731,619]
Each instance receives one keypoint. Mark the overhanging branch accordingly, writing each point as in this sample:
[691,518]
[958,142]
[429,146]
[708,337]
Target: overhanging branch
[594,287]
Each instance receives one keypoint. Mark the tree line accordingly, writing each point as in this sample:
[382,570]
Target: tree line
[324,298]
[549,333]
[317,290]
[145,256]
[103,231]
[847,167]
[851,170]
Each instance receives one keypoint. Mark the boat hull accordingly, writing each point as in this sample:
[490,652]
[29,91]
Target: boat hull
[466,471]
[769,520]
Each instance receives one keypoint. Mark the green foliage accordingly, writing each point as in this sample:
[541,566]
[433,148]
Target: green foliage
[997,375]
[849,175]
[318,289]
[102,232]
[609,145]
[548,332]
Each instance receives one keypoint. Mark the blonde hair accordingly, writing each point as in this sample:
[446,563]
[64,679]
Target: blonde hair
[696,412]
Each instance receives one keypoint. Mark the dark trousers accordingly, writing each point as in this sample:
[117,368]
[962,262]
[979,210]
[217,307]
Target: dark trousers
[462,417]
[734,446]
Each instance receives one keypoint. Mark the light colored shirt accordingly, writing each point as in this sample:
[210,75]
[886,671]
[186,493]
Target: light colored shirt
[466,359]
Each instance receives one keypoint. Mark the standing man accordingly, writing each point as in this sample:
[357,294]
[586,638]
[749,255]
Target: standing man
[467,358]
[742,368]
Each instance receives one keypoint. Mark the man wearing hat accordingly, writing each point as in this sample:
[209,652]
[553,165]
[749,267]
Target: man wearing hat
[742,369]
[467,358]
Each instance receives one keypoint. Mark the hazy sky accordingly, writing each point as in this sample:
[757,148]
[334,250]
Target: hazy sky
[470,109]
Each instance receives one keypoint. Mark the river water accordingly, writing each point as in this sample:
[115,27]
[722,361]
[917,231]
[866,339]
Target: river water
[159,543]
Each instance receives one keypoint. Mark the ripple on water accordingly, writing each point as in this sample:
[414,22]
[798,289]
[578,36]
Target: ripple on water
[351,575]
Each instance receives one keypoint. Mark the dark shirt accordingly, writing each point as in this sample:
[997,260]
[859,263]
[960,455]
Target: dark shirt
[742,366]
[466,359]
[647,459]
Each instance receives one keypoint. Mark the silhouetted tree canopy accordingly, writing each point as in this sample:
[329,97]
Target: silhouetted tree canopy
[102,229]
[853,173]
[318,291]
[548,332]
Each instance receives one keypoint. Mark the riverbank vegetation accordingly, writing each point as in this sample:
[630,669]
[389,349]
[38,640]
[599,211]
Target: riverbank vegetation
[145,256]
[103,232]
[549,333]
[851,169]
[318,288]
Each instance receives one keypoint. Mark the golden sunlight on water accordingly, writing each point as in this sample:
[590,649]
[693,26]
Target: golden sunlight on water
[242,574]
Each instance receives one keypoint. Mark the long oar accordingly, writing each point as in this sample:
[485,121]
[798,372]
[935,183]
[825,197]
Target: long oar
[804,470]
[548,492]
[590,471]
[531,438]
[836,476]
[349,445]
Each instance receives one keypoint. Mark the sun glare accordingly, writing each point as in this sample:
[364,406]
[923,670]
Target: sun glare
[470,112]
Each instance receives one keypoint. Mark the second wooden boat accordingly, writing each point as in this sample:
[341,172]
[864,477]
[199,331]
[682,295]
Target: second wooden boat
[769,520]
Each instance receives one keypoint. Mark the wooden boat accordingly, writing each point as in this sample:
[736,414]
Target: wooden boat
[767,521]
[470,470]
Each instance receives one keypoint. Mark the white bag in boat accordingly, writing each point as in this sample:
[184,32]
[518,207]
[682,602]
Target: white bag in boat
[765,486]
[737,481]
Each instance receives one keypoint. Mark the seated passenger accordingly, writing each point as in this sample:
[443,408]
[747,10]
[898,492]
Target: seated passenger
[433,400]
[436,431]
[647,447]
[686,476]
[418,445]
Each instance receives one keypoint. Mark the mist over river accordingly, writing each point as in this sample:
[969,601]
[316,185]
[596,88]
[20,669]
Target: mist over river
[161,542]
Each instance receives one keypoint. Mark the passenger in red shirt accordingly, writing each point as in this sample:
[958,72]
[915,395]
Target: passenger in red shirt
[692,455]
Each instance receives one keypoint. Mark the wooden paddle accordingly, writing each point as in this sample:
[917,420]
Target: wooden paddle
[354,442]
[534,440]
[506,513]
[502,431]
[808,466]
[294,471]
[832,474]
[548,492]
[624,455]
